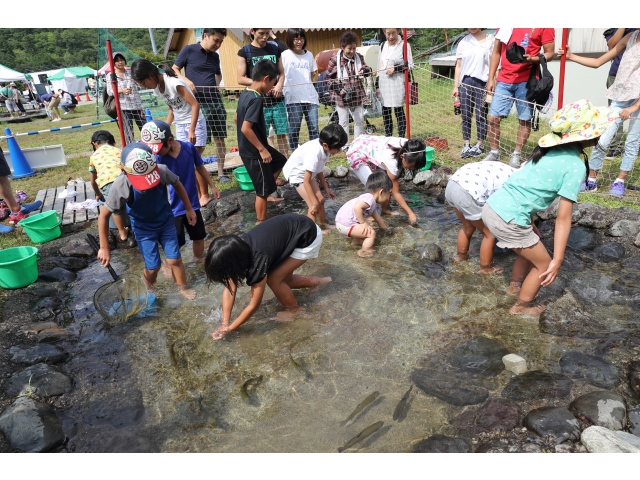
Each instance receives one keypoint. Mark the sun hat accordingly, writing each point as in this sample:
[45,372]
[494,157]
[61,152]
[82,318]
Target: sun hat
[154,134]
[577,122]
[140,166]
[515,53]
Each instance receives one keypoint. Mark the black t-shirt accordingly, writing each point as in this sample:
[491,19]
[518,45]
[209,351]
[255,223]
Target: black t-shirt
[272,52]
[201,67]
[250,109]
[274,240]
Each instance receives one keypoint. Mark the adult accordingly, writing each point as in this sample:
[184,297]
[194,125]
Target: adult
[7,94]
[202,74]
[130,101]
[300,71]
[65,101]
[471,75]
[390,80]
[53,107]
[17,96]
[511,84]
[46,99]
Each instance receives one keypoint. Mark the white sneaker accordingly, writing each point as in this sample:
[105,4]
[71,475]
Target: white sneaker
[56,120]
[492,156]
[514,160]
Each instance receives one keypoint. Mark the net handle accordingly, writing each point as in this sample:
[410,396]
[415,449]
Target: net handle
[93,243]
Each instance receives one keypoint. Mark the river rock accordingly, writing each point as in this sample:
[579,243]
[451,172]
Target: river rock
[57,274]
[69,263]
[550,212]
[479,355]
[44,289]
[624,228]
[593,288]
[341,171]
[514,363]
[496,446]
[634,421]
[425,178]
[566,317]
[46,332]
[40,353]
[605,409]
[494,414]
[609,252]
[326,171]
[537,385]
[590,368]
[449,387]
[442,444]
[46,302]
[226,208]
[208,213]
[602,440]
[30,426]
[633,375]
[77,248]
[431,252]
[594,216]
[555,422]
[41,379]
[580,238]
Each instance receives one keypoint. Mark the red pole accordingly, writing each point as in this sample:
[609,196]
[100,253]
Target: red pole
[563,62]
[406,80]
[114,85]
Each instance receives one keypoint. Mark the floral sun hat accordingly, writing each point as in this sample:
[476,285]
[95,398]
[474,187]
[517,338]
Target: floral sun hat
[577,122]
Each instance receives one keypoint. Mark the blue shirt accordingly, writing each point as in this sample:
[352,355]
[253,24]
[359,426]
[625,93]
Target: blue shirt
[201,67]
[184,166]
[615,63]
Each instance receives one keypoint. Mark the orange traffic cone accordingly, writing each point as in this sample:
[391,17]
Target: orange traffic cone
[78,97]
[86,96]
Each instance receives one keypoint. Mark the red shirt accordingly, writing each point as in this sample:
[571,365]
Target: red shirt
[531,39]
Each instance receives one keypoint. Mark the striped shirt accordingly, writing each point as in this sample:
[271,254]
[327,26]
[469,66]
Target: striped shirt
[127,102]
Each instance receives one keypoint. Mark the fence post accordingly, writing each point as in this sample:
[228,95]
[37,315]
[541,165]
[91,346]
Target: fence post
[563,62]
[114,84]
[406,80]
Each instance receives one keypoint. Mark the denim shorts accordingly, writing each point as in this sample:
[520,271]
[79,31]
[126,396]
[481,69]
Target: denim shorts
[182,132]
[148,241]
[276,115]
[504,96]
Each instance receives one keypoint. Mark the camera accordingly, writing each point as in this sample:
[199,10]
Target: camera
[349,94]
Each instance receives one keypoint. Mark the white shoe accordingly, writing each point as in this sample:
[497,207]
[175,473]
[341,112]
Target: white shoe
[56,120]
[514,160]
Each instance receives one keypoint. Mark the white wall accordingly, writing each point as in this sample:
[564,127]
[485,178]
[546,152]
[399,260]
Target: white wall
[581,82]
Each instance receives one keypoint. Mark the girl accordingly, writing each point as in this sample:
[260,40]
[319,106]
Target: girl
[392,154]
[130,101]
[268,254]
[625,100]
[554,170]
[183,106]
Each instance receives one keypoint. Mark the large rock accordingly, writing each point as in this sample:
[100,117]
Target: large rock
[479,355]
[494,414]
[609,252]
[41,353]
[605,409]
[44,289]
[590,368]
[341,171]
[40,379]
[555,422]
[431,252]
[69,263]
[46,332]
[442,444]
[208,213]
[550,212]
[594,216]
[633,375]
[537,385]
[30,426]
[57,274]
[566,317]
[634,421]
[451,388]
[226,208]
[624,228]
[326,171]
[580,238]
[593,288]
[601,440]
[427,179]
[77,248]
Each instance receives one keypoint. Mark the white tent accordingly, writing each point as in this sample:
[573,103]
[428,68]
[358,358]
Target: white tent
[8,75]
[72,80]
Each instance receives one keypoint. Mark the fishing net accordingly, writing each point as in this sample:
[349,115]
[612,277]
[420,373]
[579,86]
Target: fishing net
[122,299]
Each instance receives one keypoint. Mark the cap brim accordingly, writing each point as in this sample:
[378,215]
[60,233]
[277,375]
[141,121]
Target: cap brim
[155,147]
[146,181]
[607,116]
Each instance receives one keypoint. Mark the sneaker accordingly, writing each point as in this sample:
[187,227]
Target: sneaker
[4,229]
[476,150]
[617,189]
[492,157]
[21,196]
[514,160]
[66,113]
[30,207]
[465,153]
[14,218]
[589,186]
[613,153]
[56,120]
[223,179]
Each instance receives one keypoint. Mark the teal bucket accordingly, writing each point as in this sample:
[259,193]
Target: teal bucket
[243,178]
[42,227]
[430,153]
[18,267]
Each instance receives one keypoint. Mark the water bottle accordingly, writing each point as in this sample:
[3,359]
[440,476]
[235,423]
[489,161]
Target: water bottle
[457,110]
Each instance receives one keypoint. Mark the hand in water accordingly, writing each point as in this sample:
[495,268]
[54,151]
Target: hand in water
[220,332]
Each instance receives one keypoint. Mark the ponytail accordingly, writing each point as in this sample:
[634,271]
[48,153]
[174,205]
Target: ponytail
[169,72]
[414,151]
[142,69]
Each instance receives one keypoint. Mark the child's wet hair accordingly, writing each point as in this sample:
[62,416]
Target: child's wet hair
[348,38]
[264,68]
[142,69]
[378,180]
[334,136]
[228,260]
[415,154]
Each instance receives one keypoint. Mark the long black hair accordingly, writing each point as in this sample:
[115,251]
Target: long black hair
[540,152]
[142,69]
[228,260]
[415,154]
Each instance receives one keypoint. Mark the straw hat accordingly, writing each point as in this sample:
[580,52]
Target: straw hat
[577,122]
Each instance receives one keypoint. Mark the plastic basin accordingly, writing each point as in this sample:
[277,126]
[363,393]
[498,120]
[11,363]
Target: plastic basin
[18,267]
[430,153]
[42,227]
[243,178]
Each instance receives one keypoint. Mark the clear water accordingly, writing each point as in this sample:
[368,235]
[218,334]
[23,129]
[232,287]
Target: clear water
[162,384]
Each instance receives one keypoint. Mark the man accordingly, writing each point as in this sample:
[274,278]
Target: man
[512,83]
[8,94]
[202,74]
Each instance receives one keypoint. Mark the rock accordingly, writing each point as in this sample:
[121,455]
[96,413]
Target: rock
[634,421]
[44,289]
[609,252]
[40,379]
[326,171]
[593,288]
[57,274]
[631,262]
[46,303]
[555,422]
[601,440]
[563,448]
[69,263]
[442,444]
[494,414]
[424,178]
[30,426]
[580,238]
[624,228]
[208,214]
[408,175]
[431,253]
[341,171]
[605,409]
[566,317]
[514,363]
[633,375]
[636,242]
[288,193]
[590,368]
[451,388]
[225,208]
[77,248]
[550,212]
[46,332]
[479,355]
[494,446]
[537,385]
[333,183]
[37,354]
[594,216]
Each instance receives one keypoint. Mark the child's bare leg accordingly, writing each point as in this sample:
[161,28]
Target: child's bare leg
[150,277]
[221,149]
[203,187]
[540,260]
[322,216]
[261,209]
[308,200]
[198,250]
[122,230]
[464,236]
[368,235]
[486,249]
[521,268]
[7,195]
[180,277]
[283,145]
[280,288]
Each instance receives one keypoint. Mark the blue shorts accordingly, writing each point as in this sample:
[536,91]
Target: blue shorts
[182,132]
[148,244]
[504,96]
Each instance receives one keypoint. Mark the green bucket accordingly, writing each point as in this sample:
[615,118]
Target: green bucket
[430,153]
[243,178]
[42,227]
[18,267]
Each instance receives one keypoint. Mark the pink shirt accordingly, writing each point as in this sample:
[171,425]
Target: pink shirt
[346,215]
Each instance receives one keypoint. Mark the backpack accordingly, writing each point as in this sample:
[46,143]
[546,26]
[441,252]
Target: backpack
[109,104]
[74,100]
[539,90]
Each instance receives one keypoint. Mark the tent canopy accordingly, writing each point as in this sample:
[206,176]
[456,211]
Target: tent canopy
[73,72]
[9,75]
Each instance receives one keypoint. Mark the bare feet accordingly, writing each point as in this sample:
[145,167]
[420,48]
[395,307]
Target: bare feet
[327,229]
[204,199]
[461,256]
[489,270]
[523,309]
[368,253]
[319,282]
[272,199]
[514,288]
[186,293]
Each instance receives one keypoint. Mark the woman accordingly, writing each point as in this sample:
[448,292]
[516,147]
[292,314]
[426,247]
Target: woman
[130,102]
[472,66]
[54,103]
[554,170]
[65,101]
[301,97]
[390,80]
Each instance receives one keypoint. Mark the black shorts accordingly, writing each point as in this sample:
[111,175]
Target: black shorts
[197,232]
[5,171]
[262,173]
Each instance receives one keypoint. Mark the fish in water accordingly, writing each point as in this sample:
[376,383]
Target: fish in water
[400,411]
[367,401]
[370,430]
[250,385]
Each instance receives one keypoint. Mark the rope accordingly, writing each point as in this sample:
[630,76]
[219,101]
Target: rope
[36,132]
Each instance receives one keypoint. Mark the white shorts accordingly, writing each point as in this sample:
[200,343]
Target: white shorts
[343,229]
[362,172]
[311,251]
[182,132]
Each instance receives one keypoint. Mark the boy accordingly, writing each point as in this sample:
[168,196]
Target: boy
[18,212]
[182,159]
[307,162]
[262,161]
[142,192]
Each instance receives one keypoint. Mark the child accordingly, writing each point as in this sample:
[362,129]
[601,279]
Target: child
[268,254]
[351,219]
[554,170]
[104,168]
[191,125]
[16,212]
[263,162]
[182,159]
[307,162]
[392,154]
[467,192]
[142,193]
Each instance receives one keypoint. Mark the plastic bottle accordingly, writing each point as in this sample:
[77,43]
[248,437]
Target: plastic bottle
[457,110]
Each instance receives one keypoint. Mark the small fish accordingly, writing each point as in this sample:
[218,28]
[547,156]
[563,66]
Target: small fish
[367,401]
[250,385]
[370,430]
[400,411]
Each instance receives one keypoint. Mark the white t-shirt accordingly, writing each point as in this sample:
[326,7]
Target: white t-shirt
[298,87]
[481,179]
[181,109]
[475,57]
[310,156]
[386,157]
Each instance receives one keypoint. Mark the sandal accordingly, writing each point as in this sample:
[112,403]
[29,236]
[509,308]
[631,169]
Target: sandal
[21,196]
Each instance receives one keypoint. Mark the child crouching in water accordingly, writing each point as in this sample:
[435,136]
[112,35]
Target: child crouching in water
[307,162]
[351,219]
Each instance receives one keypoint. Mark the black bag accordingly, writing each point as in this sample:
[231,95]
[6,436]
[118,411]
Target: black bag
[109,104]
[538,90]
[74,100]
